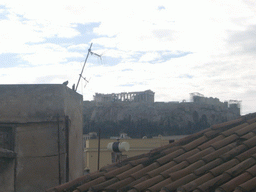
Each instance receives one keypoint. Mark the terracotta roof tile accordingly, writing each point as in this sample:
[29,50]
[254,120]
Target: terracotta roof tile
[121,184]
[233,183]
[223,167]
[212,184]
[115,172]
[211,141]
[248,153]
[161,169]
[187,170]
[138,161]
[241,167]
[77,182]
[249,185]
[228,124]
[232,130]
[184,156]
[224,142]
[248,136]
[104,184]
[204,169]
[133,190]
[220,158]
[129,172]
[183,180]
[250,142]
[175,168]
[250,121]
[159,185]
[86,186]
[190,186]
[246,129]
[150,182]
[136,182]
[170,150]
[199,155]
[211,133]
[219,152]
[170,157]
[145,170]
[233,152]
[194,143]
[252,170]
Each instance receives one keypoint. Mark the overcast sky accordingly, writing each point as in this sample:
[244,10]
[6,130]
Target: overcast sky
[171,47]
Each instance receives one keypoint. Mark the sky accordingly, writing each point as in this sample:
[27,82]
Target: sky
[171,47]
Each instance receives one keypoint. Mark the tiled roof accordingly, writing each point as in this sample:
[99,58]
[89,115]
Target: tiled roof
[221,158]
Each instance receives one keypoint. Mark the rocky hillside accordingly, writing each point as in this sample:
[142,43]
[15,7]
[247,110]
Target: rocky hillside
[151,119]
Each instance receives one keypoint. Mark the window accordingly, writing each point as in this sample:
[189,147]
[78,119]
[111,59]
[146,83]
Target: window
[6,138]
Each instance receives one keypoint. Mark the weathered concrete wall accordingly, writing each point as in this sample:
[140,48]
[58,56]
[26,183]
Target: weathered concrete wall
[37,155]
[21,103]
[36,113]
[7,174]
[74,109]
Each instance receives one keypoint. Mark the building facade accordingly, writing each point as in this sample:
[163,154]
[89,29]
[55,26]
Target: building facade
[137,147]
[40,137]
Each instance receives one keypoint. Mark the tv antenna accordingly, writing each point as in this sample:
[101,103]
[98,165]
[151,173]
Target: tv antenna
[80,75]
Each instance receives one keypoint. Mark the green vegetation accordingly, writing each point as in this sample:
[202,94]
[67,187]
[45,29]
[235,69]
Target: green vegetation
[144,127]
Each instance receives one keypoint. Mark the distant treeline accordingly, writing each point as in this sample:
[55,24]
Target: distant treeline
[145,127]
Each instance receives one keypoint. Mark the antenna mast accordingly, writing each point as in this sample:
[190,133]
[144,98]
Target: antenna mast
[80,75]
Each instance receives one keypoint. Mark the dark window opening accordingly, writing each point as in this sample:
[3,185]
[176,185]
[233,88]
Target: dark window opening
[6,138]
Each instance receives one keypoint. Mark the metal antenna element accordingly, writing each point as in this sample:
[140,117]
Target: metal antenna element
[96,54]
[86,81]
[80,75]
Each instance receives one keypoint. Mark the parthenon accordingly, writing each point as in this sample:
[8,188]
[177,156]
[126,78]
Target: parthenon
[143,96]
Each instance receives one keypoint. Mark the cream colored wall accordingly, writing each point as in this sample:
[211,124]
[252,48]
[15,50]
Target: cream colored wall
[137,147]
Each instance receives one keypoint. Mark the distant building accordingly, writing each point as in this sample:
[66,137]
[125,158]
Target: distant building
[137,147]
[233,105]
[40,136]
[144,96]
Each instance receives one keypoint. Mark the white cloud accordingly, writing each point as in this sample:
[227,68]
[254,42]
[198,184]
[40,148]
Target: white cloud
[42,54]
[150,57]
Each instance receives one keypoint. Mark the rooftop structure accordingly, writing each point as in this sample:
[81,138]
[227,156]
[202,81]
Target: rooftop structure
[40,136]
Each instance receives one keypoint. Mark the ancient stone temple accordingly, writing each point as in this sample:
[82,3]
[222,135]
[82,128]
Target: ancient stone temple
[143,96]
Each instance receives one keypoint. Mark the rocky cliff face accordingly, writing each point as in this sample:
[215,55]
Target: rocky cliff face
[151,119]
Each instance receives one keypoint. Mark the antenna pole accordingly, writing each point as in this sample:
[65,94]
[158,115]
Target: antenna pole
[98,167]
[89,50]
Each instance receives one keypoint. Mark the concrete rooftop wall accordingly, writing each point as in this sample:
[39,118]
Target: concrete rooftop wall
[21,103]
[37,114]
